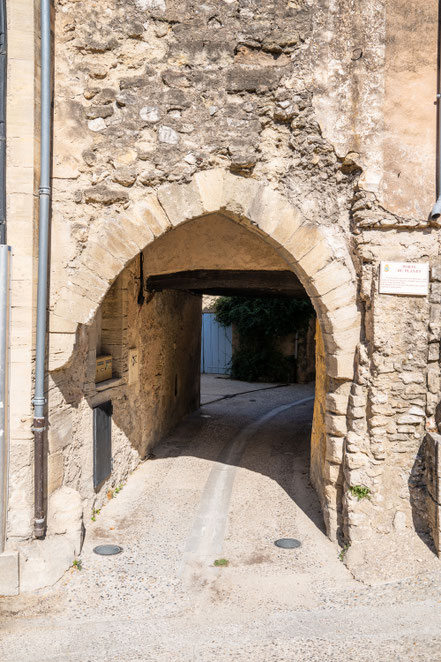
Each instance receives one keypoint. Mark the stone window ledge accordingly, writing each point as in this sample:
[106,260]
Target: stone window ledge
[110,383]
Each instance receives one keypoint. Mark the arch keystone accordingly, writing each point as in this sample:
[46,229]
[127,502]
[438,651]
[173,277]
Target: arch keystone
[238,194]
[210,184]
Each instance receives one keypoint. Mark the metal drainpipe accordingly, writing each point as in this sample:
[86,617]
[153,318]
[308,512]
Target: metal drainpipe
[39,400]
[5,252]
[436,211]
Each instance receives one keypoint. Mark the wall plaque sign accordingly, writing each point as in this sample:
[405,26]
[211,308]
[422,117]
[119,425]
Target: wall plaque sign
[404,278]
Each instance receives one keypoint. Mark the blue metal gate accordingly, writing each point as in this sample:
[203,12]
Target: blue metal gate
[216,348]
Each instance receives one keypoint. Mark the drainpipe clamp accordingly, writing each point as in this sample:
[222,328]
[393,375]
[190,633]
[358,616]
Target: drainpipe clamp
[39,401]
[44,190]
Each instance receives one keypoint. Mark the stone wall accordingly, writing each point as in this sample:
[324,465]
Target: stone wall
[165,331]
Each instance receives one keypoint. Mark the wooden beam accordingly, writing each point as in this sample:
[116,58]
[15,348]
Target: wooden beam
[230,283]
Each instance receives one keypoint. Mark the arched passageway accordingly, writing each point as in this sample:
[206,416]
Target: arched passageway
[218,226]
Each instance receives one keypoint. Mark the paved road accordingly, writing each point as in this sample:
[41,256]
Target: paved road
[230,480]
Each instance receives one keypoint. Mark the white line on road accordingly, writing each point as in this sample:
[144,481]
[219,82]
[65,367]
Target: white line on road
[207,536]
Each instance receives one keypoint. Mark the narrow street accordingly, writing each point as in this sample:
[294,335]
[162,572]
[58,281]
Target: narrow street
[230,480]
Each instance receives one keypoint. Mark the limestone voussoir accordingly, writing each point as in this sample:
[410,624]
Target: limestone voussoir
[96,258]
[74,305]
[342,339]
[238,195]
[332,275]
[273,215]
[139,233]
[341,365]
[304,239]
[316,259]
[61,346]
[342,319]
[341,296]
[210,184]
[149,211]
[116,242]
[83,278]
[181,202]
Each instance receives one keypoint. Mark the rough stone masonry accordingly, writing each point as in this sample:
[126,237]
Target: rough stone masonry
[294,133]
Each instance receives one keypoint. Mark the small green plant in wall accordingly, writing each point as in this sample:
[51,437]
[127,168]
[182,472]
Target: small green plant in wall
[118,489]
[360,491]
[221,563]
[95,512]
[341,556]
[77,564]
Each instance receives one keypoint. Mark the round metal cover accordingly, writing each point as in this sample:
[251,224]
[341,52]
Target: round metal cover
[288,543]
[107,550]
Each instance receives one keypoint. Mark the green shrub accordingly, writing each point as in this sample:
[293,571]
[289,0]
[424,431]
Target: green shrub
[260,322]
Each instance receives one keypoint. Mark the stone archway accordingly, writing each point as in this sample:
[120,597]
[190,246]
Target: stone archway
[318,255]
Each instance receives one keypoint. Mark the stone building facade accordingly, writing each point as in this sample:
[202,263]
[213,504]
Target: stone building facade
[285,135]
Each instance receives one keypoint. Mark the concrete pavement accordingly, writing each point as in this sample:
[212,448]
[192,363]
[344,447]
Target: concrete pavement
[229,481]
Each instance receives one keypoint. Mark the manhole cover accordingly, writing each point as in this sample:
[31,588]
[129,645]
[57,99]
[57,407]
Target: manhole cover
[288,543]
[107,550]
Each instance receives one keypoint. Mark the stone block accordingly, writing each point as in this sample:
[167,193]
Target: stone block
[433,354]
[330,277]
[96,258]
[9,574]
[210,184]
[139,233]
[317,258]
[273,215]
[44,562]
[303,241]
[65,516]
[337,403]
[341,339]
[341,365]
[336,425]
[60,429]
[433,380]
[181,202]
[74,306]
[356,461]
[334,449]
[60,349]
[61,325]
[333,473]
[115,241]
[238,195]
[55,472]
[409,419]
[341,296]
[89,281]
[150,211]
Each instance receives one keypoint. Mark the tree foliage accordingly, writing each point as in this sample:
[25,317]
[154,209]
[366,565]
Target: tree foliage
[264,317]
[259,323]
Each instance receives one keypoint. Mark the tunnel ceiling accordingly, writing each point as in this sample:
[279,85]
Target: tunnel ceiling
[230,283]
